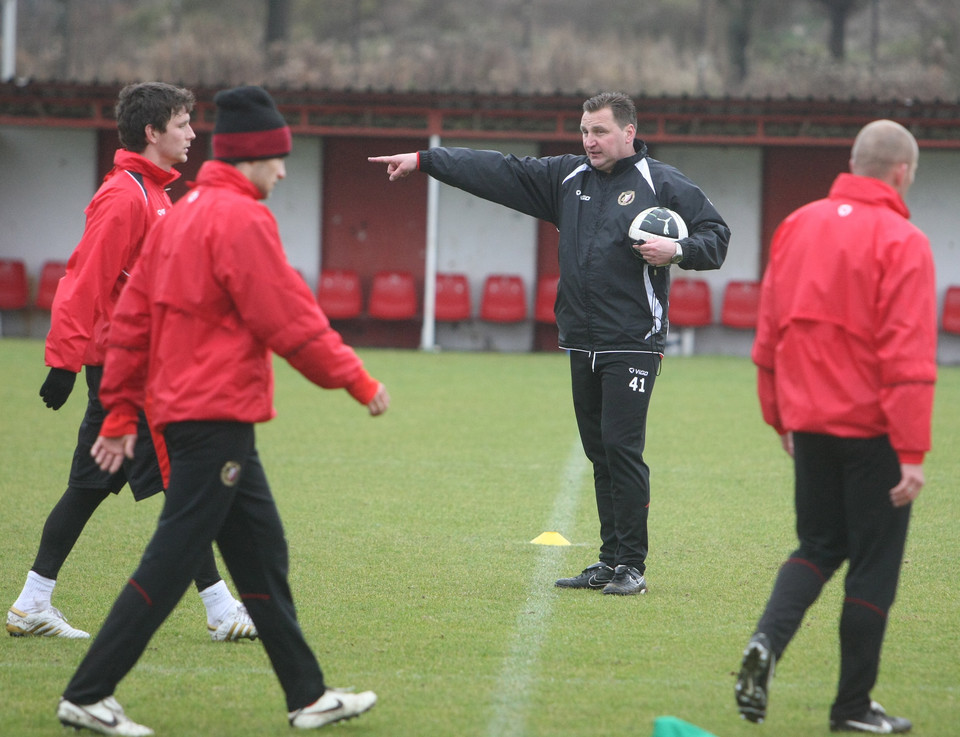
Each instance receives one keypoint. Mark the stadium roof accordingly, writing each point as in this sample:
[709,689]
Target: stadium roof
[723,121]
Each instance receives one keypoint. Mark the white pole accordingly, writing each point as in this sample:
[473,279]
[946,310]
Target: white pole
[8,65]
[428,333]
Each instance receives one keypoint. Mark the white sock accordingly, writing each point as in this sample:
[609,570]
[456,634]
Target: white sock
[218,600]
[36,594]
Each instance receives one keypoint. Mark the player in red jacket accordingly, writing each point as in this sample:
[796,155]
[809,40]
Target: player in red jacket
[213,297]
[846,355]
[153,120]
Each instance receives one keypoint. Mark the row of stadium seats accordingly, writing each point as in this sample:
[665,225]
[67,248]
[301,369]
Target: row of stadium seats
[15,287]
[504,300]
[393,297]
[691,305]
[15,284]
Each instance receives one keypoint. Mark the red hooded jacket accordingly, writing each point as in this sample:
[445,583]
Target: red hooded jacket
[118,218]
[211,297]
[847,335]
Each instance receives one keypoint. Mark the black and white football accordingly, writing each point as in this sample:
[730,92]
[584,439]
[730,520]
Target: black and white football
[660,222]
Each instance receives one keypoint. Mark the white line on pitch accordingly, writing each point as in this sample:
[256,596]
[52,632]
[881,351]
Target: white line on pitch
[516,678]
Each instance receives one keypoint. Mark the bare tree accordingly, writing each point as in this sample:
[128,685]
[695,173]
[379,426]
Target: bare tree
[526,13]
[739,29]
[768,47]
[839,11]
[65,28]
[277,34]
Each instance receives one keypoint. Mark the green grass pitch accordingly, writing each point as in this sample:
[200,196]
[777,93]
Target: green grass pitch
[414,574]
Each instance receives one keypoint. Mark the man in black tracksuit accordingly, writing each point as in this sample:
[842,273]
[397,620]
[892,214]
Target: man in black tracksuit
[612,299]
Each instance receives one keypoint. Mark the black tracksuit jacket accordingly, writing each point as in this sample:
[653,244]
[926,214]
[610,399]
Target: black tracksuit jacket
[609,300]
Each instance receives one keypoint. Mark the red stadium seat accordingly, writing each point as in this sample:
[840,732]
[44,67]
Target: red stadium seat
[339,294]
[50,275]
[14,288]
[504,299]
[393,296]
[951,311]
[741,300]
[453,298]
[546,297]
[690,303]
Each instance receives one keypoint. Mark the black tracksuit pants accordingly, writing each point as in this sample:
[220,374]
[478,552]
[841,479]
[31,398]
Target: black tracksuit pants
[611,395]
[843,513]
[217,491]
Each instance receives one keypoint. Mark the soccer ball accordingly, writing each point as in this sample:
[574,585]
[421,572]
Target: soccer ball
[660,222]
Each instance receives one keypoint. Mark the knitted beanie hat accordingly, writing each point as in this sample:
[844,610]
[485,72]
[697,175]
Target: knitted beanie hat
[249,126]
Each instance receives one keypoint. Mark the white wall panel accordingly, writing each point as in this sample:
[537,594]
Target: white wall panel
[295,203]
[934,202]
[49,176]
[479,238]
[731,178]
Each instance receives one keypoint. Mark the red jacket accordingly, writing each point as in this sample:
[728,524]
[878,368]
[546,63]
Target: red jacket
[847,334]
[211,297]
[118,218]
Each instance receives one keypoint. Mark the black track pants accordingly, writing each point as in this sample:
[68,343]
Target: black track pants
[611,395]
[217,491]
[843,513]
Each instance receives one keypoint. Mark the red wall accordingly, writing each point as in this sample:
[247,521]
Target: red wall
[792,177]
[369,223]
[547,236]
[545,336]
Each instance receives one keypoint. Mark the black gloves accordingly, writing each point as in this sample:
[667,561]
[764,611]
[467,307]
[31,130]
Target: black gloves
[57,387]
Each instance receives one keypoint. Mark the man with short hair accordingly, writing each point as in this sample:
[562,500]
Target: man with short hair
[612,301]
[846,356]
[214,284]
[153,121]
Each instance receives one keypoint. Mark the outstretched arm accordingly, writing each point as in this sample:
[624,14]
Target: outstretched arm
[398,165]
